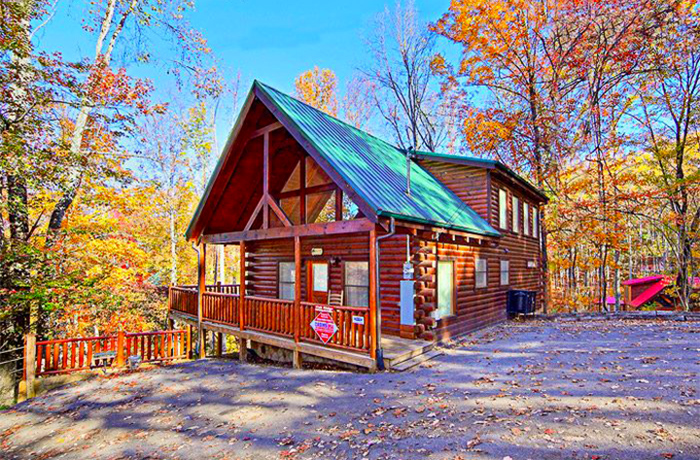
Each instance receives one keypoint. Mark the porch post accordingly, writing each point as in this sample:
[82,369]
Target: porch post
[241,288]
[296,317]
[373,293]
[201,288]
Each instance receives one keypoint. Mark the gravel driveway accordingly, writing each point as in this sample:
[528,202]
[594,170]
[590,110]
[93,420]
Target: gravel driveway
[536,390]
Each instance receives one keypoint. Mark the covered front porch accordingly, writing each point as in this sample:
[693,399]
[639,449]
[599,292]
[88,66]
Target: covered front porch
[273,322]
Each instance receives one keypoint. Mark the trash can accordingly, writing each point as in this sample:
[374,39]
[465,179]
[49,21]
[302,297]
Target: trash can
[520,302]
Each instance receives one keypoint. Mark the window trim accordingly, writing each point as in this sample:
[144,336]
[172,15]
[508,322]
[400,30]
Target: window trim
[346,285]
[507,272]
[515,204]
[453,300]
[478,259]
[279,278]
[535,223]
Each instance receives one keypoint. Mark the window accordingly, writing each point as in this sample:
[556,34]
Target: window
[526,219]
[505,272]
[445,288]
[287,277]
[502,209]
[290,206]
[350,209]
[320,207]
[535,228]
[516,214]
[480,273]
[357,284]
[320,276]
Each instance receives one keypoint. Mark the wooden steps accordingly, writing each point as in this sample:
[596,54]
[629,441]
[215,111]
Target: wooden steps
[416,360]
[398,351]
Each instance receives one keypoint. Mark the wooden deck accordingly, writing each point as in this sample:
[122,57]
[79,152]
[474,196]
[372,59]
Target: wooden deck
[278,323]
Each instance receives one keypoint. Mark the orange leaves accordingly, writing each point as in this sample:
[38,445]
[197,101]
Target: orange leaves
[109,87]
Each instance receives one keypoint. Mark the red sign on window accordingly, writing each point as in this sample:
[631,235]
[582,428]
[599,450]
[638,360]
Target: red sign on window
[323,324]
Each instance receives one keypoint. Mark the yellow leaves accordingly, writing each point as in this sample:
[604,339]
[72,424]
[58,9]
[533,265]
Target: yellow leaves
[317,87]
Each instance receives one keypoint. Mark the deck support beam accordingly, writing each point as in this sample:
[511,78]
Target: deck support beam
[373,292]
[361,225]
[297,287]
[242,349]
[241,286]
[297,359]
[219,344]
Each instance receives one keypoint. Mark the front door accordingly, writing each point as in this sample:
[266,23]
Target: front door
[317,290]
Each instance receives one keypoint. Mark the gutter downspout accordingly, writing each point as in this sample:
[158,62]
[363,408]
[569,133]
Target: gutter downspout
[195,248]
[380,351]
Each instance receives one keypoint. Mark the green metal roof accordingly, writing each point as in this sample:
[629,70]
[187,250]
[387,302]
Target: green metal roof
[484,163]
[376,170]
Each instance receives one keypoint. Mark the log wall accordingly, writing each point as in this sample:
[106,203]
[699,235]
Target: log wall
[476,307]
[264,257]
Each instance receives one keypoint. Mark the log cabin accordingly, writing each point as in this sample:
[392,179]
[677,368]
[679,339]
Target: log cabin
[352,249]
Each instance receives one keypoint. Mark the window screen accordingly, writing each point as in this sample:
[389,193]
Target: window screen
[480,273]
[502,209]
[505,272]
[286,277]
[526,219]
[320,276]
[445,287]
[357,284]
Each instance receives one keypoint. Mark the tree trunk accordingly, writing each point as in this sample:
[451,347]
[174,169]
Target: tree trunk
[173,249]
[221,264]
[103,57]
[544,261]
[684,261]
[616,280]
[17,210]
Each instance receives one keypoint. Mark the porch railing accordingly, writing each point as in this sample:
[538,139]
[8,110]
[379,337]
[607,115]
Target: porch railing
[219,307]
[276,316]
[184,299]
[220,288]
[352,323]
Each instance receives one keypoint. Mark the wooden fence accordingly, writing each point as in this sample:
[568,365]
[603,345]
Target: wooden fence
[77,354]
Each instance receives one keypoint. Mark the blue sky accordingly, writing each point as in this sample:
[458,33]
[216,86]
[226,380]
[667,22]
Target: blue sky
[273,41]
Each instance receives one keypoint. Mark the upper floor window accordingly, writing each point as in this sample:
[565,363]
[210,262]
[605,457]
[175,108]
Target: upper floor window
[516,214]
[535,224]
[480,273]
[526,219]
[502,208]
